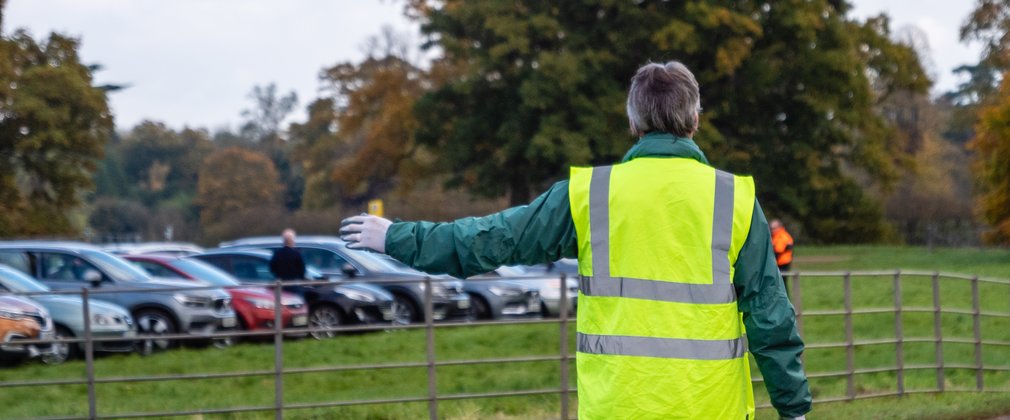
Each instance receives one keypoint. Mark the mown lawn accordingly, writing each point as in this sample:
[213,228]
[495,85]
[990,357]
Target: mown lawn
[528,340]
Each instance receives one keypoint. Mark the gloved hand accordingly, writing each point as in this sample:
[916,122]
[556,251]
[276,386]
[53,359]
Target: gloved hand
[365,232]
[794,418]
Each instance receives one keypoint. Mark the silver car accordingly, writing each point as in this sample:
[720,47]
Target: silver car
[156,311]
[67,311]
[549,286]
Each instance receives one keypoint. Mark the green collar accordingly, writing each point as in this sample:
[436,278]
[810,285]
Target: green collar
[665,145]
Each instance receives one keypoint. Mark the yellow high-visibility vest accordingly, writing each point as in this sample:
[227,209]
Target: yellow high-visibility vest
[659,332]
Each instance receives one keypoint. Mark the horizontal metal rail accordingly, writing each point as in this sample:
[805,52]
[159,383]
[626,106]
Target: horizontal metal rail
[280,372]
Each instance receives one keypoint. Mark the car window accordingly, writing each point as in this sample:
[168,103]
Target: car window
[322,259]
[17,260]
[157,270]
[251,269]
[59,266]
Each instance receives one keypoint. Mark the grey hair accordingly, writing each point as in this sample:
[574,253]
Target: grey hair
[664,97]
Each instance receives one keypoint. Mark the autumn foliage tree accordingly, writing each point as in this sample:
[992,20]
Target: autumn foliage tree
[989,24]
[234,179]
[53,126]
[355,145]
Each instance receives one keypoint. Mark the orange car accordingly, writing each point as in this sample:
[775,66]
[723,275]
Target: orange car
[23,319]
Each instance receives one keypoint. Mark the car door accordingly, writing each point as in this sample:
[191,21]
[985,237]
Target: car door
[66,271]
[326,261]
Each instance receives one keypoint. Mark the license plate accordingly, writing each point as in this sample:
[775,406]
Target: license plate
[299,320]
[463,304]
[228,322]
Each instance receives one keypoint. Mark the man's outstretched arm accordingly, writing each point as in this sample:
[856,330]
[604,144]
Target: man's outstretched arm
[771,321]
[540,232]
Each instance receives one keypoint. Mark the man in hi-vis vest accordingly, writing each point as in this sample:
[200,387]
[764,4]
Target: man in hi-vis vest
[675,261]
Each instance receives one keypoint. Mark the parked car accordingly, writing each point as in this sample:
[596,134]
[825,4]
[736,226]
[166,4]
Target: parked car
[73,265]
[253,304]
[179,249]
[494,298]
[549,284]
[330,305]
[67,311]
[23,319]
[331,257]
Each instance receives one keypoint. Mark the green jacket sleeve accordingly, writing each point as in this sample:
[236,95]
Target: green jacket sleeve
[770,321]
[540,232]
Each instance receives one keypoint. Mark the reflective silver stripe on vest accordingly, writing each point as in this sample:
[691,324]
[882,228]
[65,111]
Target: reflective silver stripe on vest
[658,290]
[602,284]
[722,226]
[675,348]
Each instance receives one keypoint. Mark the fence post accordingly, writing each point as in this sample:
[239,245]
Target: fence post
[89,355]
[850,364]
[977,327]
[563,311]
[429,323]
[938,332]
[278,354]
[899,334]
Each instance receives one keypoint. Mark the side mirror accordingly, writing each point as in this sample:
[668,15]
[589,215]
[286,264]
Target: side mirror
[349,270]
[94,277]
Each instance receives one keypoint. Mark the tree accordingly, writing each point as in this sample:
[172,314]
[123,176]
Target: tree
[992,165]
[163,163]
[791,92]
[356,144]
[990,24]
[53,125]
[234,179]
[262,131]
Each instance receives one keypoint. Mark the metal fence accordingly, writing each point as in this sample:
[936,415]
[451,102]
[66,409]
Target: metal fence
[564,355]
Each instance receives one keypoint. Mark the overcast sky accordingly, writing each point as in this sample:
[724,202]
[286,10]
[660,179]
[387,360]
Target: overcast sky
[193,62]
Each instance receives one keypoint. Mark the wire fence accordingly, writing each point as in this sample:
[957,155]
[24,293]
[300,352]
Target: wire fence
[847,312]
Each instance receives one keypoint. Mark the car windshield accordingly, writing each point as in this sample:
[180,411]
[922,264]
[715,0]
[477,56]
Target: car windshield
[115,267]
[17,281]
[204,272]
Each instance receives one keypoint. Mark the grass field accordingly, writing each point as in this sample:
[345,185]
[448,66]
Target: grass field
[529,340]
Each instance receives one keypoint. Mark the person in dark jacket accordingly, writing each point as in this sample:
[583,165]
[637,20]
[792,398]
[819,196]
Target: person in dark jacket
[287,262]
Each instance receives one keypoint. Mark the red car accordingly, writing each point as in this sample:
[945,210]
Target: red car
[253,304]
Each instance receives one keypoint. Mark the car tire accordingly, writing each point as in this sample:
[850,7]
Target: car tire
[404,310]
[480,308]
[154,322]
[324,316]
[61,351]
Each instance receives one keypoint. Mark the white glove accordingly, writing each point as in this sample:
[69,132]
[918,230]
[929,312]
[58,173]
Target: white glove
[804,417]
[365,232]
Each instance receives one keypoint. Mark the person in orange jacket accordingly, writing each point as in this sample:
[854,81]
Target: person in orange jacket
[782,244]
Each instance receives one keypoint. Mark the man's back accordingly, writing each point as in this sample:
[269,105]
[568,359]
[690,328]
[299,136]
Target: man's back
[287,264]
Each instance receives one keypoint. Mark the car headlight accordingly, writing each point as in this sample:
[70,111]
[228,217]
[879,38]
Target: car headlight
[12,315]
[438,289]
[101,319]
[193,301]
[355,295]
[505,291]
[260,303]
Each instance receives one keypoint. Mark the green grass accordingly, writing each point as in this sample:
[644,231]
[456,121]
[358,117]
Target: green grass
[529,340]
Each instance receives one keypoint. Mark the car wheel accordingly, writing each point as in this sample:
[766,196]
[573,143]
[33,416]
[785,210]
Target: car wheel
[61,352]
[321,317]
[404,310]
[153,322]
[544,312]
[481,309]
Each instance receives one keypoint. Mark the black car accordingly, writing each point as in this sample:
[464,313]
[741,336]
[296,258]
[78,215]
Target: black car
[331,257]
[330,305]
